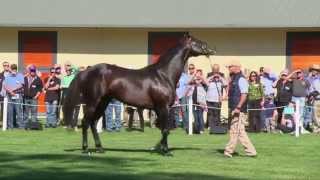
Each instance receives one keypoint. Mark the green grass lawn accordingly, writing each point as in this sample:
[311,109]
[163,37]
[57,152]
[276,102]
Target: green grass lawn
[55,154]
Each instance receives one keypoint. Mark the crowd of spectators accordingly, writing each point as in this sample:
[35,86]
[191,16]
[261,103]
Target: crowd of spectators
[271,100]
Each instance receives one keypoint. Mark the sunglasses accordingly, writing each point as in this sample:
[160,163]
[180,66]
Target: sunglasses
[253,76]
[52,72]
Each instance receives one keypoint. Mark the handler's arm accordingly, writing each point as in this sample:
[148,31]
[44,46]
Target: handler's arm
[243,98]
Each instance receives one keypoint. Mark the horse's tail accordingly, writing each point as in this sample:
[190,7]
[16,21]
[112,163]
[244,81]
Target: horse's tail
[71,100]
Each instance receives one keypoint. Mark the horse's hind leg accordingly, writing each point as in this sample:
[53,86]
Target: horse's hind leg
[141,119]
[93,124]
[85,127]
[96,137]
[88,119]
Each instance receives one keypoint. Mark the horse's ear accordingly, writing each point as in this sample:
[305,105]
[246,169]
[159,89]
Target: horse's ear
[187,36]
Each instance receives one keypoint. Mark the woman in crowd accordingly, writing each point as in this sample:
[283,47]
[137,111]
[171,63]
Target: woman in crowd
[255,101]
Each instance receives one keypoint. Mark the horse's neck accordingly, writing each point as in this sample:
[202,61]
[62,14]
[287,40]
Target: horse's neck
[175,66]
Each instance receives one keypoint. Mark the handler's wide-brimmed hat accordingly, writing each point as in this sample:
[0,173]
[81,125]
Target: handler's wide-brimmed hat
[315,67]
[234,62]
[284,72]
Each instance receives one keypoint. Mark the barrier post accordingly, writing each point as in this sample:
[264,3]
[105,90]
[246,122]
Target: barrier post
[297,119]
[122,113]
[4,115]
[190,115]
[99,125]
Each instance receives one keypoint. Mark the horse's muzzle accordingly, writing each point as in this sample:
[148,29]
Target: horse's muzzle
[210,51]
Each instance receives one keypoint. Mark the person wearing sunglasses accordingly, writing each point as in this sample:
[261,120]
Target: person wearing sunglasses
[32,90]
[255,101]
[66,80]
[52,91]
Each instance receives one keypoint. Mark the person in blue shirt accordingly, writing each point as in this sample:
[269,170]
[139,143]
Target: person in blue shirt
[13,85]
[267,79]
[183,93]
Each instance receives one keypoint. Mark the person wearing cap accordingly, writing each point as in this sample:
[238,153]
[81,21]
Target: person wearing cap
[284,93]
[32,90]
[300,90]
[13,85]
[314,78]
[237,95]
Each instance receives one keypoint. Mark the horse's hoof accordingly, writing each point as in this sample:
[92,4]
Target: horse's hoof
[100,150]
[85,151]
[167,154]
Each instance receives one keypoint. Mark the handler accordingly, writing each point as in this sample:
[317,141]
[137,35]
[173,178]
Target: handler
[238,90]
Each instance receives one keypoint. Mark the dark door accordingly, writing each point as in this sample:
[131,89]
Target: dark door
[38,48]
[303,49]
[160,42]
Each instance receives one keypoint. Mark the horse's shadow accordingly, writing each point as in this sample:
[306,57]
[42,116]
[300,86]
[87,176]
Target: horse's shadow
[150,150]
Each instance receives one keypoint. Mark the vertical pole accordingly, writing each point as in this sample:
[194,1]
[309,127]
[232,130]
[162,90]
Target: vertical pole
[4,116]
[190,115]
[297,118]
[99,125]
[122,113]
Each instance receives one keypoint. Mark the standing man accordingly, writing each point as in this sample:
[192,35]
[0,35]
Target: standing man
[238,90]
[71,72]
[183,93]
[13,85]
[215,94]
[32,90]
[300,90]
[3,75]
[51,88]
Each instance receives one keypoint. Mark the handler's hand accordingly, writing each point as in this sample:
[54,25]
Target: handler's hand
[235,111]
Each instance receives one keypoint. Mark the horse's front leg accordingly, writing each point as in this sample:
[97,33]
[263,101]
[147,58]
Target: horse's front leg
[163,119]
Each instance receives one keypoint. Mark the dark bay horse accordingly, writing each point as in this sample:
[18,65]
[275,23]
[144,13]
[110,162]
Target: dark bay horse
[152,87]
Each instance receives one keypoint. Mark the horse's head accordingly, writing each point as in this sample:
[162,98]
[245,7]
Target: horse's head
[197,47]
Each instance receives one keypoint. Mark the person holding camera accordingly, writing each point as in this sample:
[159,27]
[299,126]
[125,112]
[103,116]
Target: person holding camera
[215,94]
[52,90]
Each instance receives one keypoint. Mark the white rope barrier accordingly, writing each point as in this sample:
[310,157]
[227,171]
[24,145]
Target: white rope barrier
[298,124]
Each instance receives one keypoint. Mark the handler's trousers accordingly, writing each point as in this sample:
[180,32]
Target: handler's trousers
[238,133]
